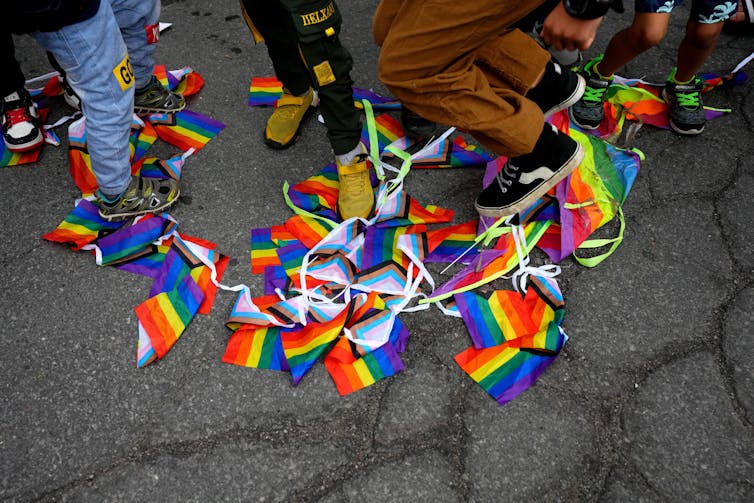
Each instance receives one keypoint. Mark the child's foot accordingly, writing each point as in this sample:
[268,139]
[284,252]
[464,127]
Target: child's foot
[559,89]
[143,195]
[526,178]
[284,125]
[155,99]
[685,107]
[588,112]
[355,193]
[20,121]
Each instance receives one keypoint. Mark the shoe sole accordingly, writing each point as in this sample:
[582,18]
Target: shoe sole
[282,146]
[147,110]
[572,99]
[124,216]
[543,189]
[26,147]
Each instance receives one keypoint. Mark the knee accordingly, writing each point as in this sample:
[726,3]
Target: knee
[644,38]
[702,36]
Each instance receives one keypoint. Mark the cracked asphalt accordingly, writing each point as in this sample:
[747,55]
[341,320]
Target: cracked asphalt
[652,399]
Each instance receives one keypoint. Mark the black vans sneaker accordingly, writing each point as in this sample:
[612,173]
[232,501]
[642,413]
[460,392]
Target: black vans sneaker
[415,126]
[526,178]
[558,89]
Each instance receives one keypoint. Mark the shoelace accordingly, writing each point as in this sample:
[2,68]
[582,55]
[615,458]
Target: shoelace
[506,177]
[18,115]
[352,184]
[594,94]
[689,99]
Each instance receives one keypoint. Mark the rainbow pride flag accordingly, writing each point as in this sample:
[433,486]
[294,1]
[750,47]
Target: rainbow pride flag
[82,226]
[260,348]
[185,129]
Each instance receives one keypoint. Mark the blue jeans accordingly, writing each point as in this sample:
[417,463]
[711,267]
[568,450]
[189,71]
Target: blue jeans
[94,57]
[133,16]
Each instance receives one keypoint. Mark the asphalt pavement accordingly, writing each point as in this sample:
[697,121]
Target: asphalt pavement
[652,398]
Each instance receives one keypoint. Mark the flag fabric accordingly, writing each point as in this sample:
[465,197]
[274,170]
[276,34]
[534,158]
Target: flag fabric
[185,129]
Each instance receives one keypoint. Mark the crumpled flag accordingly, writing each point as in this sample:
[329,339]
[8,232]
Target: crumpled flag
[351,369]
[264,243]
[446,244]
[591,197]
[256,347]
[184,81]
[164,317]
[519,338]
[185,129]
[82,226]
[133,240]
[142,138]
[490,264]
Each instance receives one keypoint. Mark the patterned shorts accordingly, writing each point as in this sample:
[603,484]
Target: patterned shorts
[702,11]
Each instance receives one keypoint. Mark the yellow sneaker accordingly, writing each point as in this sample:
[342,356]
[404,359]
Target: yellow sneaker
[355,195]
[284,124]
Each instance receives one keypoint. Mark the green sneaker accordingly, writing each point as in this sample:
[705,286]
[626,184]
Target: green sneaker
[685,107]
[355,193]
[284,125]
[588,112]
[155,99]
[143,195]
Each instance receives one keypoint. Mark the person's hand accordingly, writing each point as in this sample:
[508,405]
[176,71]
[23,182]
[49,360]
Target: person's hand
[564,32]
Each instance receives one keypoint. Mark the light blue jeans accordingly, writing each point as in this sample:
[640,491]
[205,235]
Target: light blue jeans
[92,54]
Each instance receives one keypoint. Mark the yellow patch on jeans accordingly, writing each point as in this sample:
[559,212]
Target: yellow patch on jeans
[124,74]
[324,74]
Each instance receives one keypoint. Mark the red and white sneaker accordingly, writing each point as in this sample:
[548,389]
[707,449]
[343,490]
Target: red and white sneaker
[20,121]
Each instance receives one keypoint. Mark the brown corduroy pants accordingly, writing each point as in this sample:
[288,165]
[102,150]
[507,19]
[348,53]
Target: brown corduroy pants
[461,64]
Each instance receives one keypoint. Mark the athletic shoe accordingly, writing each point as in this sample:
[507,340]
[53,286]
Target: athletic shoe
[69,95]
[415,126]
[557,90]
[685,107]
[20,120]
[155,99]
[143,195]
[355,193]
[526,178]
[588,112]
[284,125]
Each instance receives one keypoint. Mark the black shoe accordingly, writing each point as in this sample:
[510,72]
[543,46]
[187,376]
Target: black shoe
[558,89]
[526,178]
[415,126]
[685,107]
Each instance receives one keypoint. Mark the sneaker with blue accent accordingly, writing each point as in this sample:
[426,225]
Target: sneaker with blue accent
[589,111]
[685,107]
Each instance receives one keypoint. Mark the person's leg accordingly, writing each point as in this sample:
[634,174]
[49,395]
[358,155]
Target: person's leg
[432,64]
[18,114]
[646,31]
[683,90]
[270,21]
[95,60]
[13,78]
[695,48]
[648,28]
[138,21]
[329,63]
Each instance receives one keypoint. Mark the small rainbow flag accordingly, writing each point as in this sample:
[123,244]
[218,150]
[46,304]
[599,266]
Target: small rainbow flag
[303,347]
[264,91]
[257,347]
[164,317]
[185,129]
[82,226]
[352,372]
